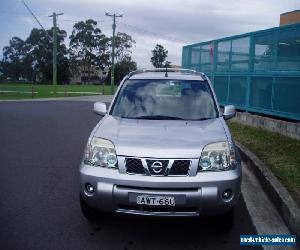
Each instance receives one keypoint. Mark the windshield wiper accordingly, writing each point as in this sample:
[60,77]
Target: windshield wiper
[164,117]
[203,119]
[158,117]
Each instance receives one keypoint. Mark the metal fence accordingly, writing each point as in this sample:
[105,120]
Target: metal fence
[257,71]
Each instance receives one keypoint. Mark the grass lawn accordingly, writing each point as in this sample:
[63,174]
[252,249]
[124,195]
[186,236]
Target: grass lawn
[45,91]
[280,153]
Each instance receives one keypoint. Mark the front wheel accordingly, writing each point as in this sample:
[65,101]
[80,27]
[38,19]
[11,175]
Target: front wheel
[89,213]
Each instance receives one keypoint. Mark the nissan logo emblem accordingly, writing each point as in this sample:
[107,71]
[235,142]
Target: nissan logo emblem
[157,167]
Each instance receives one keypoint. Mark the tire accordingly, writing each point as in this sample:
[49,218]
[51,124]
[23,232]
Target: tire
[89,213]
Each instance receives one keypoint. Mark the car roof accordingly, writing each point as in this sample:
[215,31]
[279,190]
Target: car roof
[160,74]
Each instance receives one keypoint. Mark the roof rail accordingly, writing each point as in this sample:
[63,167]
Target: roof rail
[166,70]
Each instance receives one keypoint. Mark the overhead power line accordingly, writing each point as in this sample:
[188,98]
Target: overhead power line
[14,13]
[36,19]
[73,20]
[144,31]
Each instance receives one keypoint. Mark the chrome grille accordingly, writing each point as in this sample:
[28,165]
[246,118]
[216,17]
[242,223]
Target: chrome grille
[134,166]
[152,171]
[149,166]
[180,167]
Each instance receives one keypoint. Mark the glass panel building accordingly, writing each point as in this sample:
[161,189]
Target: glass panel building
[257,71]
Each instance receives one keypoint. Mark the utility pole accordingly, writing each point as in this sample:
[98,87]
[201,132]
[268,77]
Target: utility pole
[54,76]
[112,78]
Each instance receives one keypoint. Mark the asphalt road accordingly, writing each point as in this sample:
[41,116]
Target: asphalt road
[41,144]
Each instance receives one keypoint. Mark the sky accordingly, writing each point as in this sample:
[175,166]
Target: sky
[172,23]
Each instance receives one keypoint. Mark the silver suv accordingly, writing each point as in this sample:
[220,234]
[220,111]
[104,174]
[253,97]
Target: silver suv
[162,149]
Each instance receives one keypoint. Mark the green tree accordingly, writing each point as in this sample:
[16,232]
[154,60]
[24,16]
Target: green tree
[41,53]
[13,63]
[32,59]
[88,47]
[122,68]
[123,45]
[124,63]
[159,56]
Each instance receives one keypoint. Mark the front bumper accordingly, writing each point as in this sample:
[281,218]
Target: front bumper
[194,195]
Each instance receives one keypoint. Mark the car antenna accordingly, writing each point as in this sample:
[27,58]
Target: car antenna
[166,74]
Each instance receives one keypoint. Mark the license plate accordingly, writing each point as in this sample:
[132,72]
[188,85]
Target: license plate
[155,200]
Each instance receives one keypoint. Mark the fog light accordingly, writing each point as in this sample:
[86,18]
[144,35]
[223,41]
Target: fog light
[227,194]
[89,188]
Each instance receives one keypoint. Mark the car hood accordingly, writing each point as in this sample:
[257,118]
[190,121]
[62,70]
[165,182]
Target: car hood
[160,138]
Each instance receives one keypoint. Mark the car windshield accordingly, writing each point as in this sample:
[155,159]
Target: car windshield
[165,100]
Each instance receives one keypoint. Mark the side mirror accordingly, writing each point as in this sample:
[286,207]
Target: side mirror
[100,108]
[229,112]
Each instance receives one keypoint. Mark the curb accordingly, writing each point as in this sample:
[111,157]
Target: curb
[278,194]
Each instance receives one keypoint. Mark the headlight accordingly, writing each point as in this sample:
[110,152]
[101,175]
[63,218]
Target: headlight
[100,153]
[217,156]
